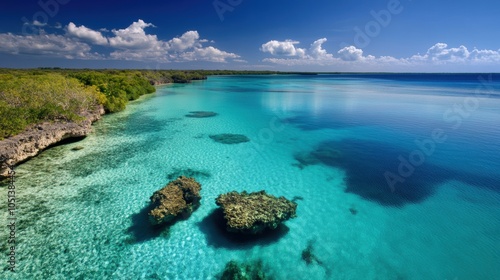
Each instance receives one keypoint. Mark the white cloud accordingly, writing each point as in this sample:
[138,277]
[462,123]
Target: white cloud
[82,32]
[190,39]
[286,48]
[438,54]
[134,37]
[314,55]
[351,53]
[131,43]
[208,54]
[316,50]
[46,44]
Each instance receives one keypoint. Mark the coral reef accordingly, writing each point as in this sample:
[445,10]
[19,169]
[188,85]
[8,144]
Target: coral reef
[254,212]
[244,271]
[201,114]
[227,138]
[179,198]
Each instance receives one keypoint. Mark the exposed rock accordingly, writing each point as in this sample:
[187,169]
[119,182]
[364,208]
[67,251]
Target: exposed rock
[254,212]
[36,138]
[177,199]
[227,138]
[248,271]
[201,114]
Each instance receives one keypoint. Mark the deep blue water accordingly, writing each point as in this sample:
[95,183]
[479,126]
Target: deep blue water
[396,176]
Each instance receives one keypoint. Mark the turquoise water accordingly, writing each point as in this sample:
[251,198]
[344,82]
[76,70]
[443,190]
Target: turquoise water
[325,140]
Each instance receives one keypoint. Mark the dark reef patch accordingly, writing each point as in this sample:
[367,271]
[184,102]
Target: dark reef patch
[92,194]
[244,271]
[87,164]
[201,114]
[188,172]
[214,227]
[228,138]
[366,162]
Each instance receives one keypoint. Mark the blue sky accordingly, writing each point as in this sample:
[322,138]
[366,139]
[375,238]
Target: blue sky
[292,35]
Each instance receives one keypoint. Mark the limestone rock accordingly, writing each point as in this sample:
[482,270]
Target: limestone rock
[254,212]
[177,199]
[37,138]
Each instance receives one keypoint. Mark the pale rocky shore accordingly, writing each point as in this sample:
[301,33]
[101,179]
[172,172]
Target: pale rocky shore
[39,137]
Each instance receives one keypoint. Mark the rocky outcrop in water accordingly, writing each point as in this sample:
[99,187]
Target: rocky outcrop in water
[254,212]
[177,199]
[37,138]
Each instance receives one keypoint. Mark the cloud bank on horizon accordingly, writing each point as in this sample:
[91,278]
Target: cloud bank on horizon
[133,43]
[287,53]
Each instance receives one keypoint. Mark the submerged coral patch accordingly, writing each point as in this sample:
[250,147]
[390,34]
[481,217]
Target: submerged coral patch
[255,212]
[228,138]
[201,114]
[179,198]
[187,172]
[244,271]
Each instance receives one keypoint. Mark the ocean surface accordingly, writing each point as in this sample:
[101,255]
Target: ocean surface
[396,176]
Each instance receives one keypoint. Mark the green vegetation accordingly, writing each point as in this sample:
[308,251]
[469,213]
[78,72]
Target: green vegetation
[31,96]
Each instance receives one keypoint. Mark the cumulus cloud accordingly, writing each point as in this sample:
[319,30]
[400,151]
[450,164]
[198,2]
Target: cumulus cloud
[298,56]
[316,50]
[351,53]
[190,39]
[440,53]
[208,54]
[46,44]
[131,43]
[82,32]
[134,37]
[286,48]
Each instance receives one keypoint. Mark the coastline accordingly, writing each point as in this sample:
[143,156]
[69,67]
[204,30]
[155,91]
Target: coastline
[41,136]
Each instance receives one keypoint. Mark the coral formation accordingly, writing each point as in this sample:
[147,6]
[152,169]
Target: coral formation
[179,197]
[254,212]
[201,114]
[228,138]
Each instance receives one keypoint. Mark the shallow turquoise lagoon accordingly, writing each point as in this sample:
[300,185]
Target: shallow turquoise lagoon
[379,195]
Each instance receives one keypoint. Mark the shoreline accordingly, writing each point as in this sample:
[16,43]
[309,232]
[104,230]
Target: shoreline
[39,137]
